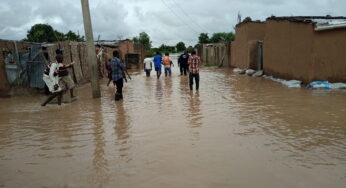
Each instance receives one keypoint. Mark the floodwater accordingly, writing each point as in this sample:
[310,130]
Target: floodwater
[237,131]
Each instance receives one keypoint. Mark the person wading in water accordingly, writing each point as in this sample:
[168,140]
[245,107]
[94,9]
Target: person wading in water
[51,78]
[194,64]
[158,64]
[118,73]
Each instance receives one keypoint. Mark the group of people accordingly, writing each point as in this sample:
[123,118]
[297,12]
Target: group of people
[187,63]
[59,81]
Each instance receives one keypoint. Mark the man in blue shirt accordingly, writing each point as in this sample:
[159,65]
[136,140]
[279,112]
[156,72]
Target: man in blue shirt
[157,64]
[118,68]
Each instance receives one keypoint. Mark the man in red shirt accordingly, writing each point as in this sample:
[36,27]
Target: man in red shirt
[194,63]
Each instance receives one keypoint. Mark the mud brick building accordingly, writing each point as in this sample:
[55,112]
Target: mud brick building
[306,48]
[302,48]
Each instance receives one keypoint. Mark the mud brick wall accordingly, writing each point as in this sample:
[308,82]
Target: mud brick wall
[245,32]
[139,49]
[293,50]
[328,59]
[215,54]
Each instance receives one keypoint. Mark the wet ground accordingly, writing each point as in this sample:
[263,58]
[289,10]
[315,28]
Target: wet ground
[237,131]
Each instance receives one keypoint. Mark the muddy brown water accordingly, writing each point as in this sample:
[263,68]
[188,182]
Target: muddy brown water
[237,131]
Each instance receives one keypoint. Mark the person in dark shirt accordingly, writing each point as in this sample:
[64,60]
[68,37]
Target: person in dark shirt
[182,62]
[118,69]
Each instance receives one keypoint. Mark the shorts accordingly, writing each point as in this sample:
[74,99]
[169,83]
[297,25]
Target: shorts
[158,69]
[66,82]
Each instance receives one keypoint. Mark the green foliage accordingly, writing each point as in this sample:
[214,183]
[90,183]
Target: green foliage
[46,33]
[41,33]
[59,35]
[151,52]
[216,37]
[181,46]
[135,39]
[143,39]
[222,37]
[203,38]
[70,35]
[165,48]
[189,49]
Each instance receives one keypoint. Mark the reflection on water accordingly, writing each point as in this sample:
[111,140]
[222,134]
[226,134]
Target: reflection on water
[100,163]
[121,130]
[237,131]
[194,114]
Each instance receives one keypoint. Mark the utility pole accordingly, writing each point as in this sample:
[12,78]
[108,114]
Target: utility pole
[91,52]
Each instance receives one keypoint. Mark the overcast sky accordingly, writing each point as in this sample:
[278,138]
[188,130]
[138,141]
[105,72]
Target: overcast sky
[166,21]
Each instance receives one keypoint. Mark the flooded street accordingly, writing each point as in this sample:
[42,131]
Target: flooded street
[237,131]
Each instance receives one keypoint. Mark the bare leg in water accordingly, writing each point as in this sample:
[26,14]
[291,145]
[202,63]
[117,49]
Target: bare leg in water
[158,74]
[109,81]
[71,93]
[56,94]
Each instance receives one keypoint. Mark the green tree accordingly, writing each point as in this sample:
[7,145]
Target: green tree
[222,37]
[165,48]
[46,33]
[41,33]
[189,49]
[181,46]
[70,35]
[59,36]
[143,39]
[203,38]
[151,52]
[135,39]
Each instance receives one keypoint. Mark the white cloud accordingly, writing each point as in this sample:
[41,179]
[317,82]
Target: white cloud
[166,21]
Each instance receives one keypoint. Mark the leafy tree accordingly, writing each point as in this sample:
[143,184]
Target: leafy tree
[181,46]
[203,38]
[222,37]
[190,49]
[151,52]
[41,33]
[143,39]
[135,39]
[165,48]
[46,33]
[70,35]
[59,36]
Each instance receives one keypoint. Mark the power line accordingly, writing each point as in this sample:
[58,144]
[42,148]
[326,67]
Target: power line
[175,14]
[192,21]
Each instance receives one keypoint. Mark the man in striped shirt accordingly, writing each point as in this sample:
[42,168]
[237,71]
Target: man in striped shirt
[194,63]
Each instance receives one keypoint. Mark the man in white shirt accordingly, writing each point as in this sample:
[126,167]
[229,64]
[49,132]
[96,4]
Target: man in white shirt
[148,65]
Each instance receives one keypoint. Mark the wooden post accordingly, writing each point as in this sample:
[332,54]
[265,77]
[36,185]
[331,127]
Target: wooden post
[91,53]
